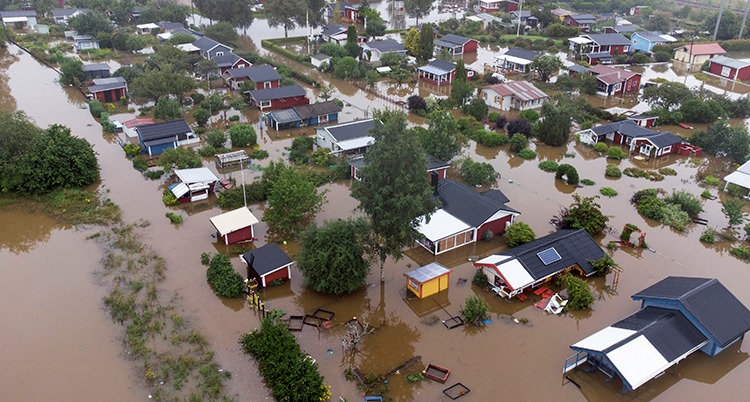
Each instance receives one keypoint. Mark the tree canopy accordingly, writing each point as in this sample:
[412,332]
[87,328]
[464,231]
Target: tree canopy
[666,95]
[222,32]
[238,13]
[546,66]
[418,8]
[394,193]
[584,213]
[333,256]
[90,23]
[554,129]
[292,204]
[723,138]
[442,139]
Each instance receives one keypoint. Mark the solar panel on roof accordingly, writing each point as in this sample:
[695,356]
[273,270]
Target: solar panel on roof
[549,256]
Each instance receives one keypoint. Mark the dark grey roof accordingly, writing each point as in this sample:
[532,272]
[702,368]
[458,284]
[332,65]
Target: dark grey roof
[626,28]
[95,67]
[669,331]
[468,204]
[105,84]
[431,162]
[575,246]
[609,39]
[66,12]
[22,13]
[386,45]
[664,139]
[285,116]
[206,44]
[350,130]
[227,60]
[332,29]
[600,55]
[169,25]
[524,13]
[266,259]
[321,56]
[455,39]
[160,141]
[277,93]
[150,132]
[583,18]
[442,65]
[651,36]
[256,73]
[708,301]
[496,195]
[626,127]
[523,53]
[578,68]
[317,109]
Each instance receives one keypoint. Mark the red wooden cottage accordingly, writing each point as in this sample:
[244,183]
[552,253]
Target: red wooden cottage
[267,264]
[640,139]
[612,43]
[264,76]
[433,165]
[441,72]
[349,12]
[495,6]
[109,90]
[730,68]
[230,61]
[613,81]
[234,226]
[279,98]
[456,44]
[582,21]
[644,120]
[464,215]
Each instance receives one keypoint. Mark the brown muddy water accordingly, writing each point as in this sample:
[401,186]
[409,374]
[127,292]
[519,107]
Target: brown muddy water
[79,356]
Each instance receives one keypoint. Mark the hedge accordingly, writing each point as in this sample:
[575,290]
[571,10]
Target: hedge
[304,59]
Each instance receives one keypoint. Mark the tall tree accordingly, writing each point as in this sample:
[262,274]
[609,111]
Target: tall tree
[284,13]
[417,8]
[411,43]
[554,129]
[546,66]
[222,32]
[236,12]
[394,192]
[352,47]
[292,203]
[460,87]
[732,209]
[442,139]
[333,257]
[338,18]
[374,26]
[666,95]
[426,46]
[90,23]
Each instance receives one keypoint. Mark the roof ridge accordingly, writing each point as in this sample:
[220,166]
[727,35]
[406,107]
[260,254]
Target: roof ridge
[546,241]
[697,289]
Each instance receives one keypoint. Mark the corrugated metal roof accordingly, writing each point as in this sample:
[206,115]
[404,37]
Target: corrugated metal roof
[428,272]
[610,39]
[317,109]
[729,62]
[522,90]
[285,116]
[105,84]
[196,175]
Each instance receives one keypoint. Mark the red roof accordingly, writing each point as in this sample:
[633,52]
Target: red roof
[137,122]
[611,75]
[705,48]
[523,90]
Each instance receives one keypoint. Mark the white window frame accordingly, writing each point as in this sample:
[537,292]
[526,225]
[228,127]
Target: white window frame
[323,119]
[617,87]
[219,53]
[266,84]
[725,71]
[264,104]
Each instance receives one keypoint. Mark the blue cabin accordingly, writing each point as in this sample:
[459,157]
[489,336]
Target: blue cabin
[304,115]
[645,41]
[158,137]
[678,316]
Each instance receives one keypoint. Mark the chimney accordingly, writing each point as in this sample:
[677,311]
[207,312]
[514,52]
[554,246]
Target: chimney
[434,179]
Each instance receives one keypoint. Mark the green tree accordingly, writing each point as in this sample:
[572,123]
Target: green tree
[579,293]
[554,129]
[426,46]
[589,84]
[236,12]
[445,55]
[399,74]
[292,204]
[721,137]
[372,77]
[352,46]
[584,213]
[476,108]
[284,13]
[477,173]
[375,26]
[90,23]
[167,109]
[732,209]
[660,21]
[729,27]
[460,87]
[135,43]
[685,12]
[222,32]
[475,310]
[699,111]
[201,116]
[333,49]
[394,192]
[180,158]
[72,71]
[411,43]
[346,69]
[223,278]
[242,135]
[216,138]
[442,138]
[418,9]
[180,38]
[546,66]
[570,173]
[333,259]
[338,18]
[6,35]
[666,95]
[519,233]
[17,135]
[518,142]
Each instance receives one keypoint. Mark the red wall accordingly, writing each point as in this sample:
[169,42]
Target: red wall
[239,235]
[116,95]
[570,21]
[497,226]
[280,274]
[287,103]
[619,49]
[633,84]
[743,74]
[440,172]
[470,47]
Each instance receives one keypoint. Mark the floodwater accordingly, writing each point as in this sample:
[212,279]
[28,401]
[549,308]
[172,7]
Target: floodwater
[519,362]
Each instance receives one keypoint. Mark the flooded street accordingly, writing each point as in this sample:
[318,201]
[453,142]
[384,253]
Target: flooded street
[59,342]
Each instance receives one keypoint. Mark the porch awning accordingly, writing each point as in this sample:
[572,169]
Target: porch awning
[15,19]
[442,225]
[515,274]
[355,143]
[513,59]
[179,189]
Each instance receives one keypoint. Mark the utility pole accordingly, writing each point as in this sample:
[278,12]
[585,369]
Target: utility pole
[718,20]
[520,11]
[742,28]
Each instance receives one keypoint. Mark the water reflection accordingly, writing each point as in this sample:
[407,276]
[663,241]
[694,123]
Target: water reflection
[25,226]
[7,101]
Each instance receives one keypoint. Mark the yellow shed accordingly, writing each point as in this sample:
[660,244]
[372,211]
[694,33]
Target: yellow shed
[428,280]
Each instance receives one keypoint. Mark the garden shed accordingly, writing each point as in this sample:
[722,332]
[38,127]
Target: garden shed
[234,226]
[194,185]
[267,264]
[740,177]
[428,280]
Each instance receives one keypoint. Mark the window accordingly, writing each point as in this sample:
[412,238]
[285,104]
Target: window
[725,71]
[219,53]
[267,84]
[323,119]
[265,103]
[617,86]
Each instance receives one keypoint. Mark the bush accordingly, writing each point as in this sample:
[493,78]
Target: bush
[530,115]
[139,162]
[527,153]
[608,191]
[569,172]
[216,138]
[668,172]
[548,166]
[712,181]
[168,198]
[621,58]
[612,171]
[491,139]
[300,147]
[518,125]
[641,58]
[603,265]
[588,182]
[242,135]
[735,190]
[518,142]
[579,293]
[258,154]
[96,108]
[416,102]
[131,149]
[476,173]
[154,174]
[205,258]
[616,153]
[687,202]
[174,217]
[742,253]
[223,278]
[708,237]
[501,122]
[662,57]
[480,278]
[201,116]
[706,194]
[600,147]
[519,233]
[493,116]
[475,310]
[234,118]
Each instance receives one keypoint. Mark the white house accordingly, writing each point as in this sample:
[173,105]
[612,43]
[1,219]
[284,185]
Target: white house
[519,95]
[377,49]
[61,16]
[351,137]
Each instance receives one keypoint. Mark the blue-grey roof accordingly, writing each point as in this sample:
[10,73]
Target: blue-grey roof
[610,39]
[431,162]
[66,12]
[106,84]
[626,127]
[285,116]
[384,46]
[256,73]
[522,53]
[206,44]
[625,28]
[95,67]
[317,109]
[455,39]
[524,13]
[729,62]
[227,60]
[443,43]
[350,130]
[332,29]
[22,13]
[583,18]
[575,246]
[664,139]
[600,55]
[708,301]
[438,67]
[156,131]
[266,259]
[578,68]
[169,25]
[277,93]
[468,204]
[651,36]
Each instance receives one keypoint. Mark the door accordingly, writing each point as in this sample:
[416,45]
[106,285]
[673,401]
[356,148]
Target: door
[108,96]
